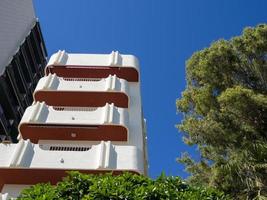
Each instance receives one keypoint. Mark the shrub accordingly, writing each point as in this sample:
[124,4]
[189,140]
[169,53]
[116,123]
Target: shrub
[125,186]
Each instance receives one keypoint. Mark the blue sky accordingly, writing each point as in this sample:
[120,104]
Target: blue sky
[163,35]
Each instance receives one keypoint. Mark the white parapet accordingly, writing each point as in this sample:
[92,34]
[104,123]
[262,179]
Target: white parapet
[74,123]
[114,59]
[26,163]
[60,91]
[102,156]
[94,65]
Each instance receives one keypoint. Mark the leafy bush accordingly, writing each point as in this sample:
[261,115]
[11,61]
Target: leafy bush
[125,186]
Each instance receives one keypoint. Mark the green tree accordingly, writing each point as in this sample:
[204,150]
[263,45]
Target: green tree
[125,186]
[225,114]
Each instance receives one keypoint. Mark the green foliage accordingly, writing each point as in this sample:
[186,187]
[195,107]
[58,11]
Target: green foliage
[40,191]
[225,114]
[125,186]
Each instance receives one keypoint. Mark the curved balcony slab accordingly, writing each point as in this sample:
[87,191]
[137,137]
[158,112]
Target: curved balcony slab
[42,122]
[86,92]
[30,164]
[94,65]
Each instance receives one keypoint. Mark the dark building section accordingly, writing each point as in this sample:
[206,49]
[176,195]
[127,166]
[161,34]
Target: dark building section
[18,82]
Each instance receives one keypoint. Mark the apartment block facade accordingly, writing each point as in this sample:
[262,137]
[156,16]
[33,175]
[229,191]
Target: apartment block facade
[86,116]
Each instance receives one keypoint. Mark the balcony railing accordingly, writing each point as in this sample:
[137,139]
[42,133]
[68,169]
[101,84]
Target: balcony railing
[27,164]
[94,66]
[42,122]
[82,92]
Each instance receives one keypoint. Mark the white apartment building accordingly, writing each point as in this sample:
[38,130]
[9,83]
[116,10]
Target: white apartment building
[86,116]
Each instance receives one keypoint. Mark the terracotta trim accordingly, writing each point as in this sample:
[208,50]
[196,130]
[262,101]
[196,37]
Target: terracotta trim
[82,99]
[75,71]
[32,176]
[36,132]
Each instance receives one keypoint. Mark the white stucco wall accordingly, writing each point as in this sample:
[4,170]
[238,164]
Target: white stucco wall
[54,83]
[114,59]
[41,113]
[101,156]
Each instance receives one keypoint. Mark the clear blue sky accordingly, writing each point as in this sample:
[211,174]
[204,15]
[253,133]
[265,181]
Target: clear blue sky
[163,35]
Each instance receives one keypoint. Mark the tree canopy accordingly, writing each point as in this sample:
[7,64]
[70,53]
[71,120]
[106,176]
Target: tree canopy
[125,186]
[225,114]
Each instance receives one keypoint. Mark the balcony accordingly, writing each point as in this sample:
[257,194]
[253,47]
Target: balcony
[42,122]
[27,164]
[94,65]
[82,92]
